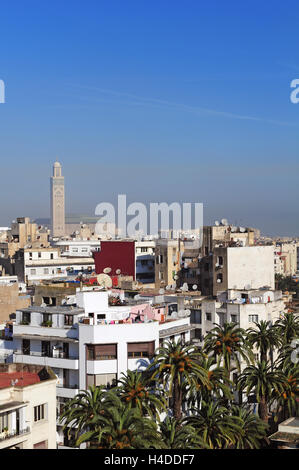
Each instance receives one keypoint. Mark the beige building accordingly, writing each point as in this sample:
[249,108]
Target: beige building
[285,262]
[11,299]
[27,407]
[57,202]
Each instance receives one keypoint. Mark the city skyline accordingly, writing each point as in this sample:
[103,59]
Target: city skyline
[158,102]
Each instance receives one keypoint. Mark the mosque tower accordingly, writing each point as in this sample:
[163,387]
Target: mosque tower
[57,202]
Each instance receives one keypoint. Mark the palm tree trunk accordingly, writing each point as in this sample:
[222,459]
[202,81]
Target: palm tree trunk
[177,399]
[263,409]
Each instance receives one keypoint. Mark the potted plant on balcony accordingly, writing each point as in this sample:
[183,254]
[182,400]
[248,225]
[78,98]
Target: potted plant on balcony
[47,323]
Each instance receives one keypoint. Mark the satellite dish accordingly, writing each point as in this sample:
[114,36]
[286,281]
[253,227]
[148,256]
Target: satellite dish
[175,277]
[224,221]
[242,229]
[234,229]
[217,223]
[104,280]
[118,271]
[161,291]
[194,287]
[185,287]
[107,270]
[137,297]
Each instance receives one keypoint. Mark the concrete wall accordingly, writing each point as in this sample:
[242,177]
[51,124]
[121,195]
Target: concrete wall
[252,266]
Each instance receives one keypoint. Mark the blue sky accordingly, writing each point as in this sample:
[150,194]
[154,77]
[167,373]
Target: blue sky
[160,100]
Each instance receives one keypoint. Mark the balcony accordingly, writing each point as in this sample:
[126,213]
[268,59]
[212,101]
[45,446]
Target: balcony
[67,391]
[12,438]
[52,360]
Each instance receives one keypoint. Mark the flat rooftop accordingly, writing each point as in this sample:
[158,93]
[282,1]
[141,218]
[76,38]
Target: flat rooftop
[61,309]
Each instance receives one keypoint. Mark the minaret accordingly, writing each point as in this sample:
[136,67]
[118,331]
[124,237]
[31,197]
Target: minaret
[57,202]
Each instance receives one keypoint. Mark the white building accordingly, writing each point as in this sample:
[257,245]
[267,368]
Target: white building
[77,248]
[27,407]
[38,264]
[145,261]
[251,266]
[88,344]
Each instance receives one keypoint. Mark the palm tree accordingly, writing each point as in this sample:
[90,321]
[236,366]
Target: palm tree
[287,399]
[216,387]
[134,390]
[176,435]
[121,427]
[79,413]
[227,343]
[288,327]
[214,424]
[265,337]
[176,367]
[263,382]
[252,430]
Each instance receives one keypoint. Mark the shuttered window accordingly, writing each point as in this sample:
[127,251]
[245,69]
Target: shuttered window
[141,349]
[101,352]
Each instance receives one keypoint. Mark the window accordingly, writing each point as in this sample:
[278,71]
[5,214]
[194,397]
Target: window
[46,349]
[209,316]
[39,412]
[253,318]
[234,318]
[51,256]
[143,250]
[101,352]
[46,270]
[33,272]
[47,319]
[220,260]
[68,320]
[3,421]
[141,349]
[26,318]
[108,380]
[206,266]
[219,278]
[39,254]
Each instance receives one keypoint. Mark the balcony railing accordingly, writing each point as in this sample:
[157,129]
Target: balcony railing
[51,354]
[8,435]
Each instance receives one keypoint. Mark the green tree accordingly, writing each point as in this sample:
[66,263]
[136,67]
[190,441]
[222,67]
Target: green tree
[264,337]
[288,328]
[228,345]
[252,430]
[261,380]
[79,413]
[121,427]
[176,367]
[135,391]
[177,435]
[214,424]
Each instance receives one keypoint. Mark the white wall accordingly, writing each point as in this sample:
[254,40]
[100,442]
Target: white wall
[253,265]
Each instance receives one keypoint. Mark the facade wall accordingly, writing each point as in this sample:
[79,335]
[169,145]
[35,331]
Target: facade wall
[252,266]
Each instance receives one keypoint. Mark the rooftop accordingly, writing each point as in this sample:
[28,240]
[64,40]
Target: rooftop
[19,375]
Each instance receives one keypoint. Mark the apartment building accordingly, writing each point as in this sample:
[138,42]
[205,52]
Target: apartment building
[237,268]
[286,258]
[12,297]
[93,342]
[145,261]
[37,264]
[27,407]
